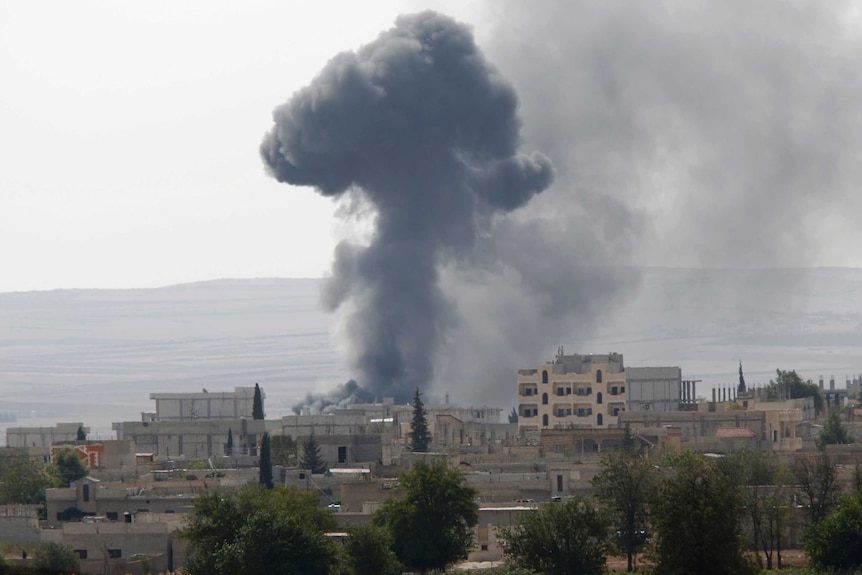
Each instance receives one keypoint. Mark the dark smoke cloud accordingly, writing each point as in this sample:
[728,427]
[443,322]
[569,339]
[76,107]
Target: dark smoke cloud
[341,397]
[703,134]
[420,126]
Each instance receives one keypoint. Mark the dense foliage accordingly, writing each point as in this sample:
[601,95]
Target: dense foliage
[226,527]
[23,480]
[835,543]
[788,385]
[257,403]
[624,485]
[696,520]
[368,551]
[311,458]
[570,538]
[834,432]
[431,526]
[55,558]
[420,438]
[69,466]
[265,462]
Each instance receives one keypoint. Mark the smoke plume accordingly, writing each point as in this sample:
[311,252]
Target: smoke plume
[421,127]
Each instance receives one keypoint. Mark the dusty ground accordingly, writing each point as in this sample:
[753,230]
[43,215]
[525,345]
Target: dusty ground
[789,558]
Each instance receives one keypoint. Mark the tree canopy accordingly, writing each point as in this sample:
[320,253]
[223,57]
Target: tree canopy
[265,462]
[835,543]
[788,385]
[69,466]
[53,557]
[834,432]
[431,526]
[570,538]
[420,438]
[311,458]
[225,528]
[23,480]
[257,403]
[694,508]
[624,486]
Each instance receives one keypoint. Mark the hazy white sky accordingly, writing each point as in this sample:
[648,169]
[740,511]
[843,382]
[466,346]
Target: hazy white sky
[130,134]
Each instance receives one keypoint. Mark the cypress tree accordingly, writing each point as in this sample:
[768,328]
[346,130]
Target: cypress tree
[311,458]
[81,435]
[229,447]
[265,462]
[420,438]
[257,403]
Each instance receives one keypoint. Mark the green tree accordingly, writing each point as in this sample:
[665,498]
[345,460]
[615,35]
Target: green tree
[55,558]
[835,543]
[283,450]
[570,538]
[694,513]
[265,462]
[219,517]
[513,415]
[834,432]
[81,435]
[311,458]
[274,543]
[368,552]
[228,448]
[420,438]
[23,480]
[257,403]
[624,485]
[817,479]
[788,385]
[432,524]
[69,466]
[760,478]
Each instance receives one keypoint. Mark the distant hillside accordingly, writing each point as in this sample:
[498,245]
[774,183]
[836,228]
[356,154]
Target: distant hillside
[95,355]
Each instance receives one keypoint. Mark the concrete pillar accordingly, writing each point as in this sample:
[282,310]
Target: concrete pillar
[713,395]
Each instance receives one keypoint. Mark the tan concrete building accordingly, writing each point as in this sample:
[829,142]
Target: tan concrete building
[592,391]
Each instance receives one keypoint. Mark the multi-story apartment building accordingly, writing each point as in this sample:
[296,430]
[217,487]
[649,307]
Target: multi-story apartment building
[591,391]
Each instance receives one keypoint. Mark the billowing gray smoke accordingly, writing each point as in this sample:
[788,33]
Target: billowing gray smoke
[418,125]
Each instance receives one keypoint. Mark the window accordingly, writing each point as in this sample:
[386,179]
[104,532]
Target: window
[544,376]
[484,546]
[599,397]
[544,399]
[599,419]
[86,492]
[342,454]
[568,391]
[112,515]
[569,411]
[81,553]
[545,420]
[559,482]
[559,391]
[623,389]
[598,376]
[115,553]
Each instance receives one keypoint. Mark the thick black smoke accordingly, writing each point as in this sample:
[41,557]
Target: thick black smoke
[420,126]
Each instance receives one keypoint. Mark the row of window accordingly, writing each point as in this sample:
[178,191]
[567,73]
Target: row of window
[587,390]
[545,376]
[568,411]
[112,553]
